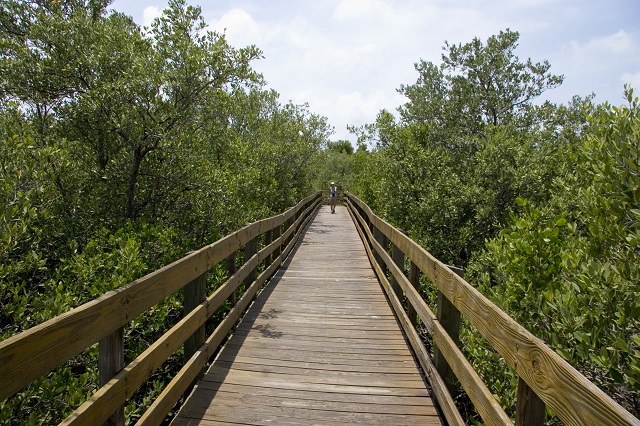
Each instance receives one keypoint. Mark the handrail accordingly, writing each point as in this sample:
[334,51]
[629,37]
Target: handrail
[33,353]
[545,377]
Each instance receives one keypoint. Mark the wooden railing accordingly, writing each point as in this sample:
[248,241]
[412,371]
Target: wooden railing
[544,377]
[30,355]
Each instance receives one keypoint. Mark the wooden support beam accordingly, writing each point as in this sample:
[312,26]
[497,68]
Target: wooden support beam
[194,294]
[530,409]
[268,239]
[231,269]
[110,363]
[398,258]
[250,249]
[384,242]
[449,316]
[414,279]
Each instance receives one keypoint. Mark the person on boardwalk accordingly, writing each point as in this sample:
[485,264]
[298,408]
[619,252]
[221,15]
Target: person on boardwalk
[333,196]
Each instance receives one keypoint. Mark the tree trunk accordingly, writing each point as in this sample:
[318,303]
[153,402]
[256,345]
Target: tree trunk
[138,155]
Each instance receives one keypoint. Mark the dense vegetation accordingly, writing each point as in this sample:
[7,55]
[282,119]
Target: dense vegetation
[122,148]
[539,202]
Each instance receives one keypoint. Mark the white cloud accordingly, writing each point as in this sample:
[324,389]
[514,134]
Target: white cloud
[620,43]
[346,58]
[632,79]
[239,26]
[597,65]
[149,14]
[363,10]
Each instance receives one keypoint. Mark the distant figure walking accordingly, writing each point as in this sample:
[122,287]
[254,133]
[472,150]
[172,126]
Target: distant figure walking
[333,196]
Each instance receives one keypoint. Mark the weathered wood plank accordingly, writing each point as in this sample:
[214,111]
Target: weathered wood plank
[301,353]
[325,396]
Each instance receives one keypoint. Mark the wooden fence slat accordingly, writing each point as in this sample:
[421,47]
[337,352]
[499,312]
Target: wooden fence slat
[530,409]
[110,363]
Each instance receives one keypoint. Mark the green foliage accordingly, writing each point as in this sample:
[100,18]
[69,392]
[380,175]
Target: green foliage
[468,142]
[540,202]
[121,149]
[566,271]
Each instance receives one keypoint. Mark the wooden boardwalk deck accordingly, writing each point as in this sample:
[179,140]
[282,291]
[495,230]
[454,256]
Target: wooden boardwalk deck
[319,346]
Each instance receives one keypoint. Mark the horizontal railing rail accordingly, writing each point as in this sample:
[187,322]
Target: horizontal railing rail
[544,377]
[33,353]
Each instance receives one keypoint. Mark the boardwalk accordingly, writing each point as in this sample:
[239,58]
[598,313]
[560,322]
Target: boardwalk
[319,346]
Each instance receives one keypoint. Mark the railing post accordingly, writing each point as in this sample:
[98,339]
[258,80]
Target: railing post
[530,409]
[249,250]
[110,363]
[194,294]
[384,242]
[414,279]
[287,225]
[275,234]
[268,239]
[449,316]
[231,269]
[398,258]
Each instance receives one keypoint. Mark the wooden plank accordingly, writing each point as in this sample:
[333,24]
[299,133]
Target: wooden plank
[283,382]
[483,400]
[301,355]
[311,395]
[317,403]
[110,363]
[406,367]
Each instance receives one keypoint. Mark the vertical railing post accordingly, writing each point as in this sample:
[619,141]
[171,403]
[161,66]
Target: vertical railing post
[110,363]
[249,250]
[449,317]
[287,225]
[384,242]
[231,269]
[414,279]
[398,258]
[268,239]
[275,234]
[194,294]
[530,409]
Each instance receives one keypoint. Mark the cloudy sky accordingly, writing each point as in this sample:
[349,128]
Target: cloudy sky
[346,58]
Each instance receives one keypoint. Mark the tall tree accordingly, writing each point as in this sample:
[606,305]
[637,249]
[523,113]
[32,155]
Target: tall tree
[466,144]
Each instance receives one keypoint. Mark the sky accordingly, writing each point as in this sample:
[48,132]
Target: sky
[347,58]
